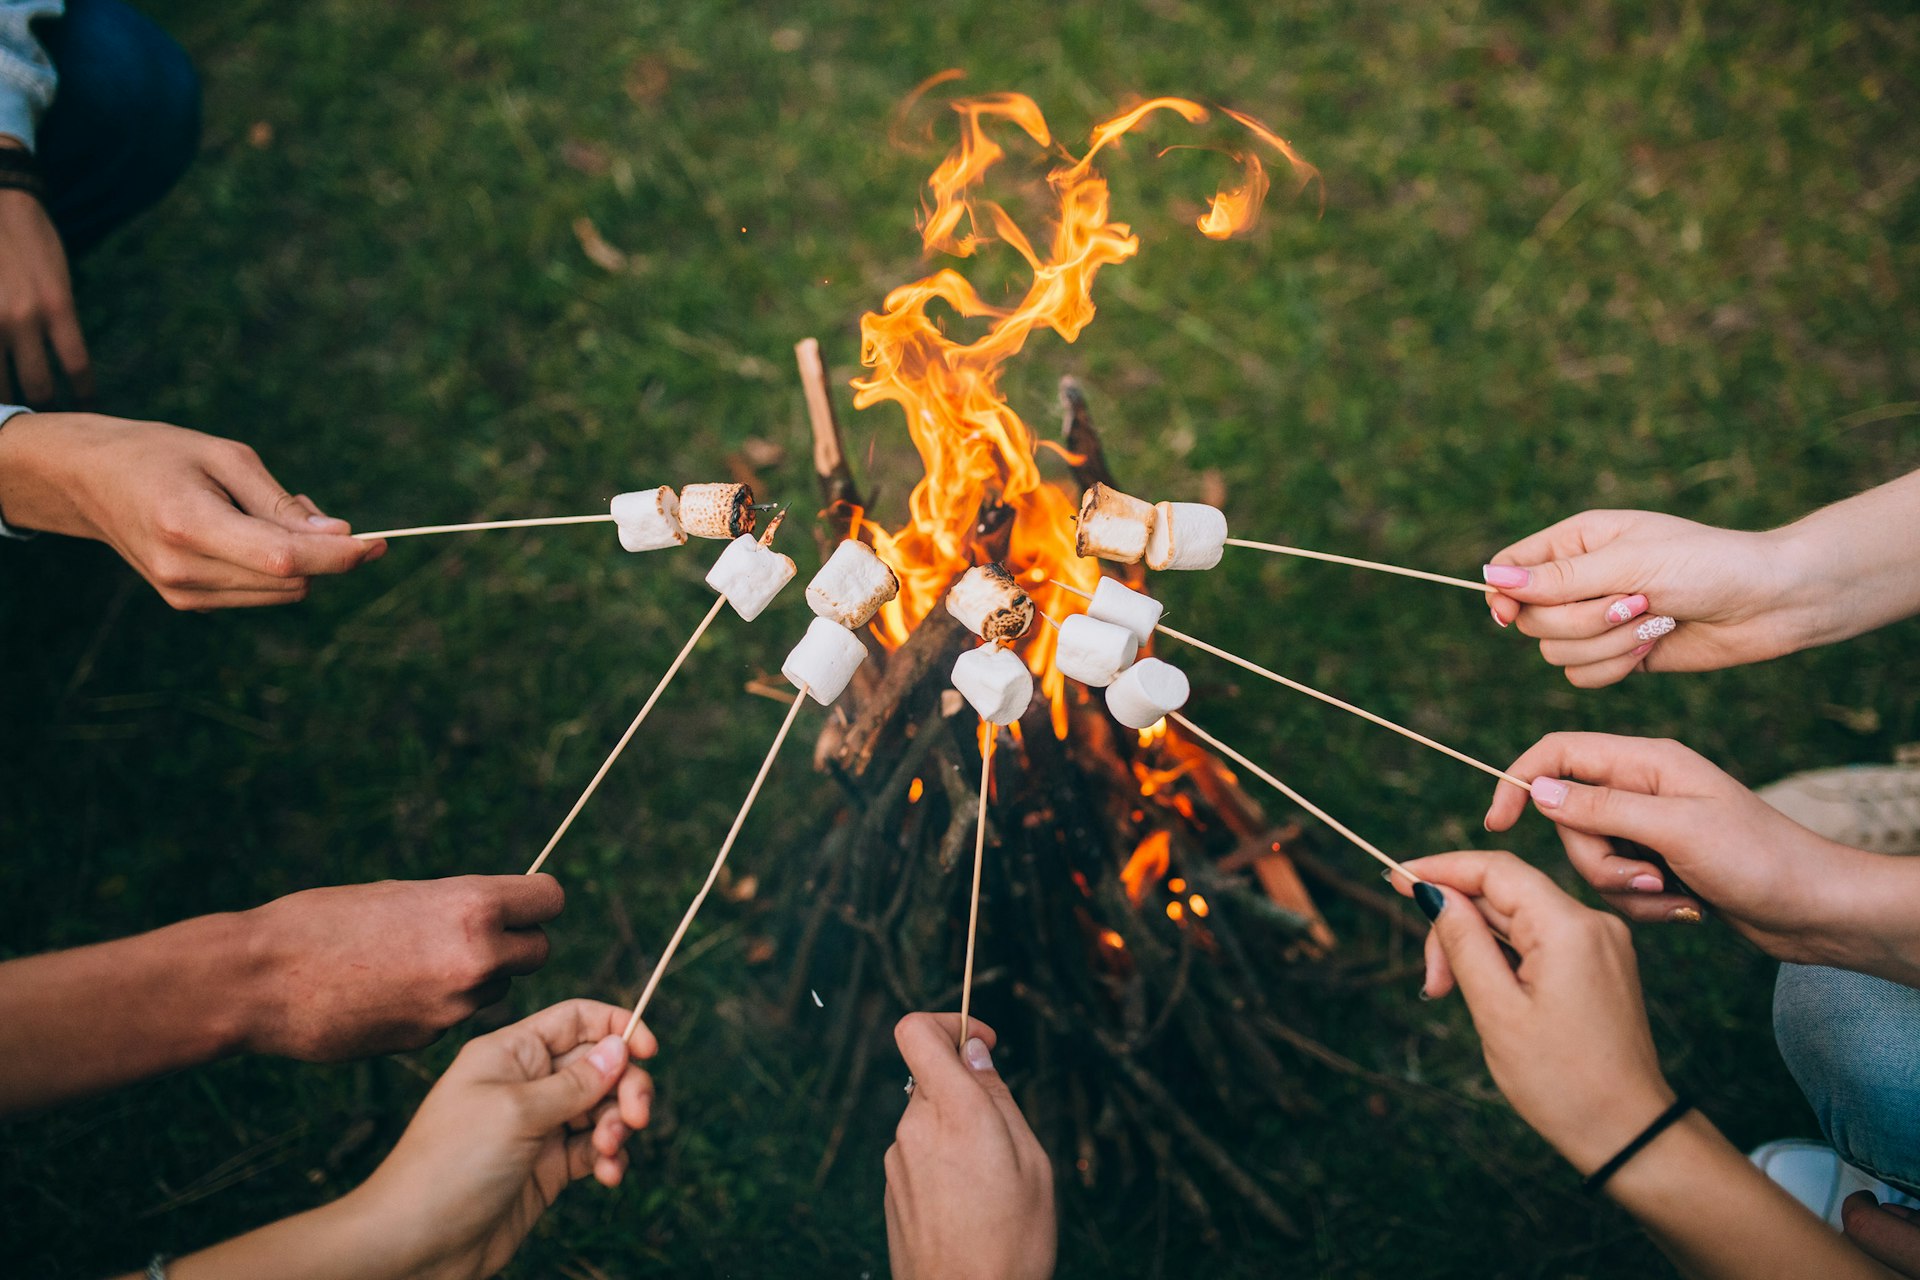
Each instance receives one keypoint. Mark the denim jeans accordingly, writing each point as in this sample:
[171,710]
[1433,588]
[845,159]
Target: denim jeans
[125,119]
[1853,1044]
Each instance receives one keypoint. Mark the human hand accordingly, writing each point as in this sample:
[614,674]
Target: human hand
[1783,887]
[969,1189]
[36,306]
[362,969]
[521,1113]
[197,516]
[1565,1032]
[1594,589]
[1888,1233]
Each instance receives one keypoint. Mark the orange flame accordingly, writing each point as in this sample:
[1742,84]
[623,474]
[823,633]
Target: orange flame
[974,446]
[1149,862]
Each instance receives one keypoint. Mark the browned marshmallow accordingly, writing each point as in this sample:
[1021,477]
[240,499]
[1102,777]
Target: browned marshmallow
[1113,525]
[991,604]
[716,510]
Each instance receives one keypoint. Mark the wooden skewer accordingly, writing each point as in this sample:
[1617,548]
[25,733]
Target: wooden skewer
[1479,588]
[979,856]
[482,524]
[1290,793]
[627,737]
[1329,699]
[726,847]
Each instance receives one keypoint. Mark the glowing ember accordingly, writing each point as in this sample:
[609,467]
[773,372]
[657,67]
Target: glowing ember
[973,444]
[1148,863]
[915,790]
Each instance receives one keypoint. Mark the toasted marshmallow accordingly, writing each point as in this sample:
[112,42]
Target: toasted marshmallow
[648,519]
[1146,691]
[1094,652]
[995,681]
[1116,602]
[824,660]
[1112,525]
[989,603]
[716,510]
[1186,535]
[750,575]
[852,585]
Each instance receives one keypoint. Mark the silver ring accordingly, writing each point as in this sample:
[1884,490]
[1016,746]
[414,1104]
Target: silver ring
[909,1089]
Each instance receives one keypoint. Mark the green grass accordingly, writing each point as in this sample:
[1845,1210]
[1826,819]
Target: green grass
[1635,255]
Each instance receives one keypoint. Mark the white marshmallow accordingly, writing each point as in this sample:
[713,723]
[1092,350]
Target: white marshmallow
[716,510]
[989,603]
[852,585]
[1186,535]
[995,681]
[750,575]
[648,519]
[1116,602]
[1112,525]
[1094,652]
[1146,691]
[824,660]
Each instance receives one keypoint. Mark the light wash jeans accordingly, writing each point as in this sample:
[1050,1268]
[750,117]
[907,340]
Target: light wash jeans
[1853,1044]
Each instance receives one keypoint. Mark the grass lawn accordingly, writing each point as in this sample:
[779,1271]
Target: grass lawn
[1629,255]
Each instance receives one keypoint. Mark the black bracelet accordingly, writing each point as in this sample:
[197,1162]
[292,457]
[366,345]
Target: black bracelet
[1592,1183]
[19,171]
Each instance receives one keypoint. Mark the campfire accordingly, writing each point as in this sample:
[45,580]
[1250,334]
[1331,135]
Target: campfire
[1135,899]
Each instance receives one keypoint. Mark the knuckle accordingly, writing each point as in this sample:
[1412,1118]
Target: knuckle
[279,561]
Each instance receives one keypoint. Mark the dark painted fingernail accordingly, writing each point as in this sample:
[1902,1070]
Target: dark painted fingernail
[1387,875]
[1431,900]
[1424,997]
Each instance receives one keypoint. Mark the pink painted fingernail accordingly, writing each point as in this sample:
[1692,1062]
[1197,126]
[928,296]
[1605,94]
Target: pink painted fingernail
[1548,793]
[1496,617]
[1504,575]
[1642,651]
[977,1056]
[608,1054]
[1644,883]
[1655,627]
[1624,610]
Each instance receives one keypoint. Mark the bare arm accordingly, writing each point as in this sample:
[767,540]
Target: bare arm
[1858,561]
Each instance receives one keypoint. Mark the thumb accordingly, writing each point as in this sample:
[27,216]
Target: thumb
[979,1060]
[1563,581]
[574,1089]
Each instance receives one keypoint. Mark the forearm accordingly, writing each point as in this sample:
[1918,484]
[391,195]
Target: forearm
[338,1241]
[1719,1218]
[79,1022]
[1856,563]
[1872,923]
[36,491]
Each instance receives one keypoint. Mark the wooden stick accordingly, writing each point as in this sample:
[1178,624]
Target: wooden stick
[627,737]
[979,856]
[1479,588]
[1327,698]
[482,524]
[726,847]
[1290,793]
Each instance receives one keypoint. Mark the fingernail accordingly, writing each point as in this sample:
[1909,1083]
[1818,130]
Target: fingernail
[1623,610]
[1504,575]
[608,1054]
[1641,651]
[1424,997]
[317,520]
[1655,627]
[977,1056]
[1644,883]
[1548,793]
[1684,915]
[1496,617]
[1387,875]
[1431,900]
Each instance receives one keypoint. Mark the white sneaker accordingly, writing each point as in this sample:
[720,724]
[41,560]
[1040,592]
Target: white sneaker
[1814,1174]
[1868,806]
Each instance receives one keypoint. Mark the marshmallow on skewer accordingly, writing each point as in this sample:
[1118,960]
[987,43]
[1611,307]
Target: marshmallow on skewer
[648,519]
[824,660]
[1147,691]
[995,681]
[716,510]
[1116,602]
[1112,525]
[852,585]
[750,575]
[989,603]
[1094,652]
[1186,535]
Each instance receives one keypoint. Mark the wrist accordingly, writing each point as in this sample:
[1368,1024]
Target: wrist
[258,974]
[1623,1115]
[1803,596]
[35,490]
[1866,922]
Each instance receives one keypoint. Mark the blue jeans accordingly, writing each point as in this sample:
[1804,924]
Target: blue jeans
[125,120]
[1853,1044]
